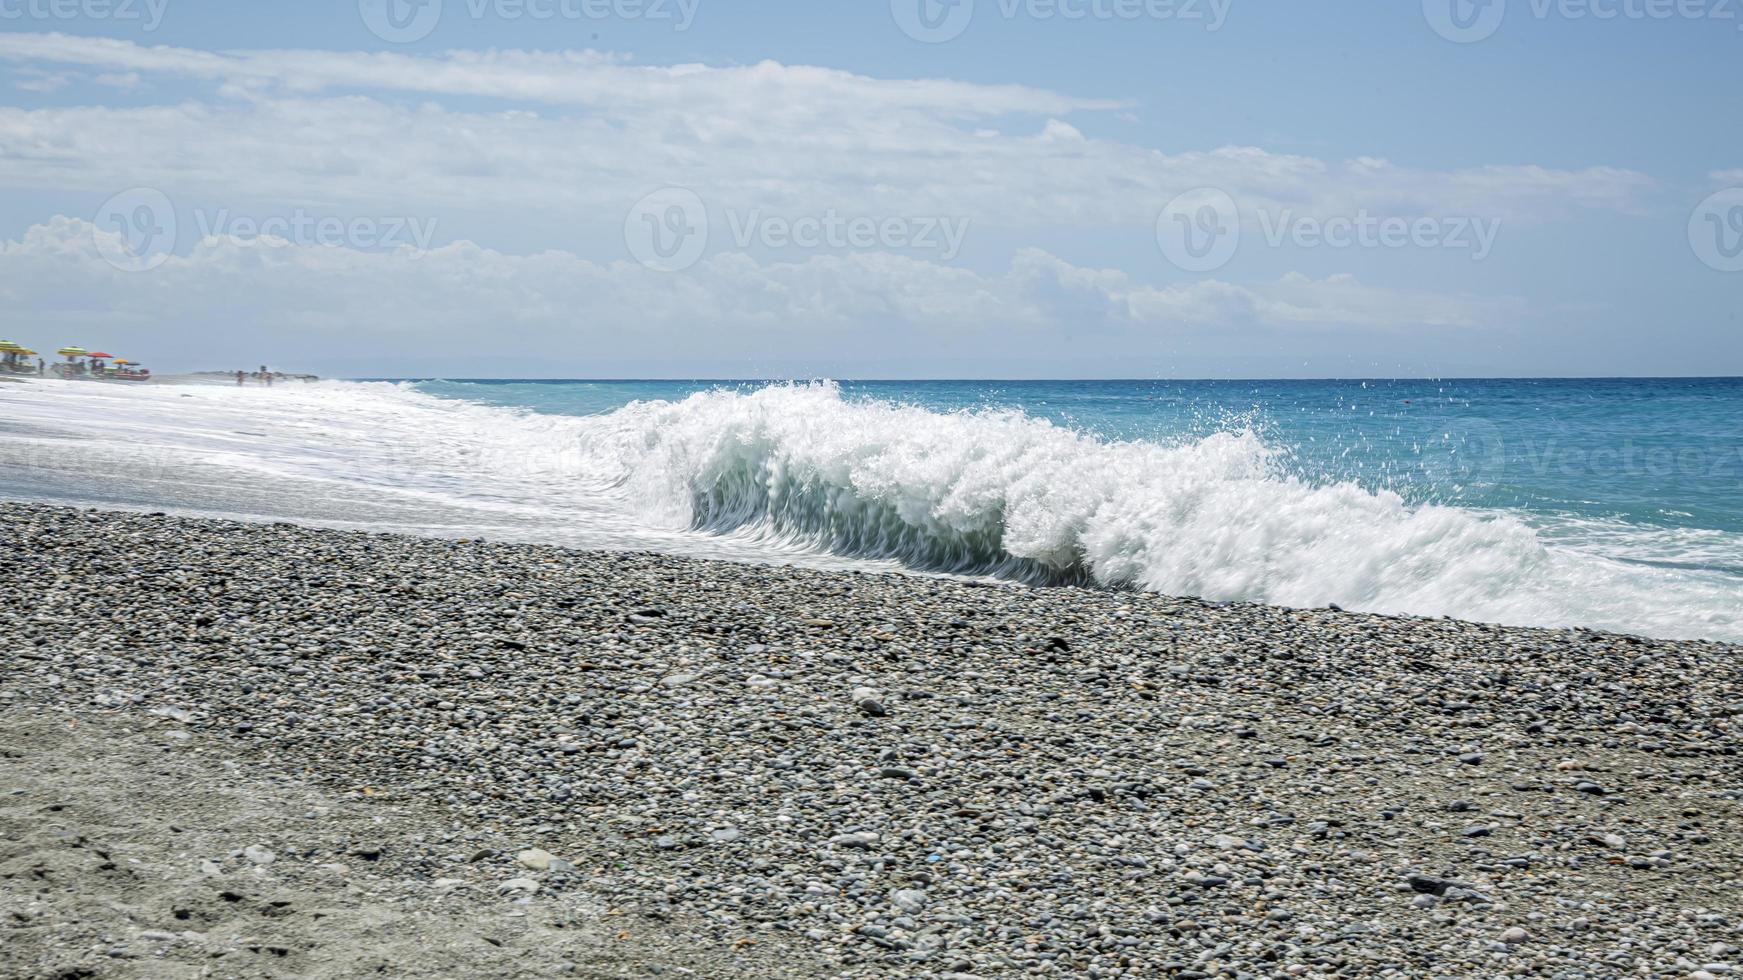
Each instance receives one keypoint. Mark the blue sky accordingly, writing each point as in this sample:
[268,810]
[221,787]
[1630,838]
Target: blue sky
[1560,194]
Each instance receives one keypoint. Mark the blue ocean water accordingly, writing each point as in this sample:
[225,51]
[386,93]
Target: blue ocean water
[1609,503]
[1652,454]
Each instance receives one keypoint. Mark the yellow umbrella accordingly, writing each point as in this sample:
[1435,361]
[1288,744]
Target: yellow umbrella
[72,352]
[122,360]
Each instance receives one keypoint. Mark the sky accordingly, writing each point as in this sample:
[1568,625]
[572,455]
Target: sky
[877,189]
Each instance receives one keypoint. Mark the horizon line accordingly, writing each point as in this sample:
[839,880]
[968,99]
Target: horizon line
[947,380]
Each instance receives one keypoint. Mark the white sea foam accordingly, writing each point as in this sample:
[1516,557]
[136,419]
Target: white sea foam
[1220,517]
[798,472]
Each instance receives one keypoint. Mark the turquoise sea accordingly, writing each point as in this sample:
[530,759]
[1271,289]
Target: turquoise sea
[1655,453]
[1614,503]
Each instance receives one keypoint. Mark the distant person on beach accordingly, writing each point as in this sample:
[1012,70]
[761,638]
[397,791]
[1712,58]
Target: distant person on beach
[41,367]
[241,377]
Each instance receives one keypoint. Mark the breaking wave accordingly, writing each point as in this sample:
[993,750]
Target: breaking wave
[998,492]
[806,473]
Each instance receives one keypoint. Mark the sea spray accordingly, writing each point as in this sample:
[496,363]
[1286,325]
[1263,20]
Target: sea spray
[999,492]
[818,475]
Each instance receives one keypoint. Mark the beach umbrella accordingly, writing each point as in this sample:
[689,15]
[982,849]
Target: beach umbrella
[122,360]
[100,354]
[27,352]
[73,352]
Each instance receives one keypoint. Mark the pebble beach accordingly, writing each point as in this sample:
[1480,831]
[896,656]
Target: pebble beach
[459,757]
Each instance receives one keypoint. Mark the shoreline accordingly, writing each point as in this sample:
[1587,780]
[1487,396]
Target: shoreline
[900,775]
[586,471]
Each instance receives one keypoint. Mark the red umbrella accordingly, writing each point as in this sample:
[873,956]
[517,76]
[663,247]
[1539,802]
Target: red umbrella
[100,354]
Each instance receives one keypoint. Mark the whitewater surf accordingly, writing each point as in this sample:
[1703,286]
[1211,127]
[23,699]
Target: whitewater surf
[808,473]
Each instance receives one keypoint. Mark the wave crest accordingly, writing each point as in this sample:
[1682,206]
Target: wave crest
[999,492]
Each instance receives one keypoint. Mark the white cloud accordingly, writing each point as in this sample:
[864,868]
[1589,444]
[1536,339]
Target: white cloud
[585,134]
[569,78]
[730,302]
[1295,300]
[126,81]
[37,80]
